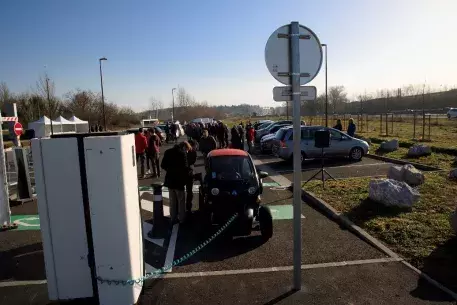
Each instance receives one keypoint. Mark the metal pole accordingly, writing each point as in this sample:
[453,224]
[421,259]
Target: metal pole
[414,125]
[287,110]
[173,104]
[103,97]
[429,123]
[423,113]
[5,212]
[49,104]
[294,31]
[380,131]
[326,88]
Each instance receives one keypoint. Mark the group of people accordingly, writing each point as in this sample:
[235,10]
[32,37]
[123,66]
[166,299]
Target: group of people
[351,127]
[147,146]
[217,130]
[171,130]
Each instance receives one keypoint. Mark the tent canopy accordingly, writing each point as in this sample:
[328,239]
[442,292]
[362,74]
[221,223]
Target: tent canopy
[76,120]
[63,120]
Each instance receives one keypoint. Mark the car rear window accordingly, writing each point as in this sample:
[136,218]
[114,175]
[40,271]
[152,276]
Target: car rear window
[281,134]
[231,168]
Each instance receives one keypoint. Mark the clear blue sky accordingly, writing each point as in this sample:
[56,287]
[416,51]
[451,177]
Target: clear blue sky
[215,49]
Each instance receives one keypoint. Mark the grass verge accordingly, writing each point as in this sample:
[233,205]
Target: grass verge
[422,234]
[443,161]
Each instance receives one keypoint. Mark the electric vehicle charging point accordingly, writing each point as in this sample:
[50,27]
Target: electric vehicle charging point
[91,177]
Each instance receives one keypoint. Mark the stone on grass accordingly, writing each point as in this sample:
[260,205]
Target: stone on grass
[389,146]
[453,174]
[406,173]
[453,221]
[419,151]
[391,192]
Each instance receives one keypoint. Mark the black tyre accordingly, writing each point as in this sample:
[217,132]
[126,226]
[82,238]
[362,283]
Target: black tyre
[265,222]
[356,154]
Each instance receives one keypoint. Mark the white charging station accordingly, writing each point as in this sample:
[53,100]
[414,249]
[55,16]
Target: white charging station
[87,191]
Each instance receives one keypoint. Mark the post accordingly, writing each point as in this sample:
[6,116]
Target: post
[429,124]
[326,88]
[380,131]
[103,97]
[157,210]
[173,105]
[287,110]
[5,212]
[423,113]
[49,104]
[294,31]
[387,124]
[414,125]
[392,124]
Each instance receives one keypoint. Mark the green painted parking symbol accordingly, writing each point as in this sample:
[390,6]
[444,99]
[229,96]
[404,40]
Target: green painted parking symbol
[270,184]
[282,212]
[26,222]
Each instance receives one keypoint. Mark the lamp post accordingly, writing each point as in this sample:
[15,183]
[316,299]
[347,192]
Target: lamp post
[326,89]
[173,104]
[103,97]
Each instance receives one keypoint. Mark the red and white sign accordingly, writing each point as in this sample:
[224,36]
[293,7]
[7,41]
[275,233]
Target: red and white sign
[18,128]
[9,119]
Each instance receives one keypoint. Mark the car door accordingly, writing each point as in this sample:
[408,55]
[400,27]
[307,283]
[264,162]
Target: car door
[338,143]
[307,135]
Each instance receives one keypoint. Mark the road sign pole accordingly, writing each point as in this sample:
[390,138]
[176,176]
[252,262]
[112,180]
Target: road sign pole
[5,212]
[295,81]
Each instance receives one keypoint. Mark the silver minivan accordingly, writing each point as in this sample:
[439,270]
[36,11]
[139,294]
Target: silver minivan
[341,144]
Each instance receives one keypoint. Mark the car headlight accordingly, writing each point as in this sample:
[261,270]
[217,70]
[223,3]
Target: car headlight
[252,190]
[215,191]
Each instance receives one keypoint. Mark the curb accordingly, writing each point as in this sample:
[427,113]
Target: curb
[403,162]
[330,212]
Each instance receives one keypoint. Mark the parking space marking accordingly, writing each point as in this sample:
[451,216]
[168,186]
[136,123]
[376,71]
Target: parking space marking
[171,247]
[280,268]
[339,166]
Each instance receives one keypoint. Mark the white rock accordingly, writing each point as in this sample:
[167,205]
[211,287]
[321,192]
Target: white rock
[453,221]
[390,192]
[407,173]
[419,150]
[453,173]
[391,145]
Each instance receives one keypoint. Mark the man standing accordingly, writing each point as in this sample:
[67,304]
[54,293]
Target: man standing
[250,136]
[154,152]
[207,144]
[174,132]
[174,162]
[191,159]
[141,144]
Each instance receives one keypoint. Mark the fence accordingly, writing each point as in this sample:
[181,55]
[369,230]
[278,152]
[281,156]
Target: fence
[11,171]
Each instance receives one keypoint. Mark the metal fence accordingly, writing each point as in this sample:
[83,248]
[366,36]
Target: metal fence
[11,171]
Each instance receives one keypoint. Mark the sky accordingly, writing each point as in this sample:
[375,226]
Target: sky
[215,49]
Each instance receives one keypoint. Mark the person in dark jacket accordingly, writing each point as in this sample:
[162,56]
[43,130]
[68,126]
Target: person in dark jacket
[191,159]
[351,127]
[174,132]
[241,133]
[226,133]
[235,138]
[338,125]
[175,164]
[207,144]
[154,152]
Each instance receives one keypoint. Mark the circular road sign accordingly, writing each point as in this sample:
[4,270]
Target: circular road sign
[277,55]
[18,128]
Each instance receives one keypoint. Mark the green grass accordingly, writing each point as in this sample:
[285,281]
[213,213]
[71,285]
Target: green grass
[443,161]
[422,234]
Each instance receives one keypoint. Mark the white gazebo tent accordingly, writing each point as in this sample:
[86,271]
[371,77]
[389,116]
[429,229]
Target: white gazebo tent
[80,125]
[67,126]
[42,127]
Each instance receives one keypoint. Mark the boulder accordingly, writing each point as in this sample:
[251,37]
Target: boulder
[419,150]
[391,192]
[406,173]
[453,174]
[389,146]
[453,221]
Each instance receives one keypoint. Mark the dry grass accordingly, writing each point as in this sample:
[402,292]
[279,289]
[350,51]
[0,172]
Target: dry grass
[422,234]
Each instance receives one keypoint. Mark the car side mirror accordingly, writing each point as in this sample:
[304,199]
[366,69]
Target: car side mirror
[263,175]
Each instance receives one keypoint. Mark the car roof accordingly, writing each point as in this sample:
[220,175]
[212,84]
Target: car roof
[227,152]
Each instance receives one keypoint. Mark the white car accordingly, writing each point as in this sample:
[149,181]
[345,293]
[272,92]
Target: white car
[452,113]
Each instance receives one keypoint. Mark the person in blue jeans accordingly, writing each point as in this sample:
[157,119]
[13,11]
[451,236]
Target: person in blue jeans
[351,128]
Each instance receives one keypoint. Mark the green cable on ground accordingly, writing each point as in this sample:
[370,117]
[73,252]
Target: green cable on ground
[174,263]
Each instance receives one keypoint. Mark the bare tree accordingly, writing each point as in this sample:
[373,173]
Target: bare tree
[156,105]
[337,96]
[46,88]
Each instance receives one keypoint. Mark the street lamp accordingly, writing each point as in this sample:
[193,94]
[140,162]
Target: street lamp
[103,97]
[173,105]
[326,90]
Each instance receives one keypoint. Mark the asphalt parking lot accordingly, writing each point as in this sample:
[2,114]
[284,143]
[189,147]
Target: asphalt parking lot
[337,266]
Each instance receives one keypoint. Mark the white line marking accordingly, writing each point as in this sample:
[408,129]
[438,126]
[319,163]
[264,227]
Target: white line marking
[148,227]
[340,166]
[281,268]
[171,247]
[234,272]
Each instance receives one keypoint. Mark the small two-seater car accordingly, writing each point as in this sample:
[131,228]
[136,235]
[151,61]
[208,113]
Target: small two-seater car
[232,185]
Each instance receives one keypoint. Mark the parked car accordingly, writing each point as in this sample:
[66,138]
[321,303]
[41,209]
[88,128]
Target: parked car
[267,140]
[162,133]
[341,144]
[452,113]
[261,132]
[262,123]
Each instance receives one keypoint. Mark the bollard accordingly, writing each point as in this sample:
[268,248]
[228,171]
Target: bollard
[158,217]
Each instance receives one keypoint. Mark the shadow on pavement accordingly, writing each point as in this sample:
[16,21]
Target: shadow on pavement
[23,263]
[368,209]
[440,265]
[281,297]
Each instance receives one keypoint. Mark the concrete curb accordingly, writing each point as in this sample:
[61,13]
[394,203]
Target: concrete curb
[403,162]
[344,221]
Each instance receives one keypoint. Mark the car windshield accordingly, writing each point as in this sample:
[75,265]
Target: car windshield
[231,168]
[265,125]
[281,133]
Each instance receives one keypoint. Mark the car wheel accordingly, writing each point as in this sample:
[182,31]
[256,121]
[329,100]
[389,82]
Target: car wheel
[356,154]
[265,222]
